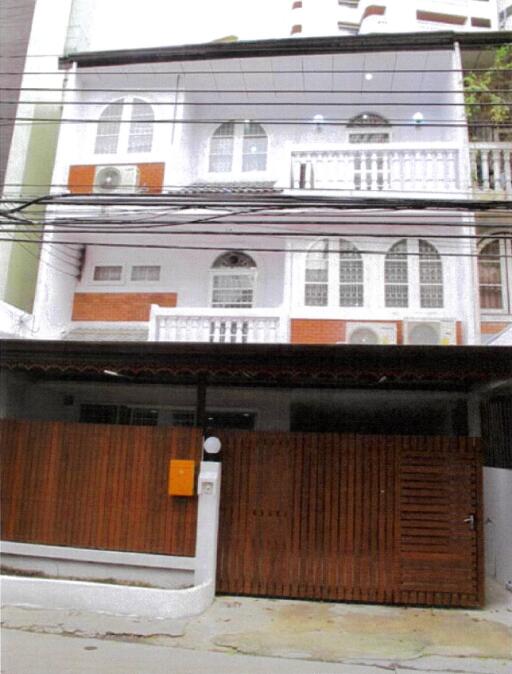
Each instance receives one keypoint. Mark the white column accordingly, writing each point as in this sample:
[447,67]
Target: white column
[207,522]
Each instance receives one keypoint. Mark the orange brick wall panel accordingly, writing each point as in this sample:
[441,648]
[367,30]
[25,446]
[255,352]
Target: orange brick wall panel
[311,331]
[80,179]
[151,178]
[118,306]
[492,328]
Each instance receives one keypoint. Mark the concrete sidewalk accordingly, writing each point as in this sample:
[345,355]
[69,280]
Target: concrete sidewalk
[244,635]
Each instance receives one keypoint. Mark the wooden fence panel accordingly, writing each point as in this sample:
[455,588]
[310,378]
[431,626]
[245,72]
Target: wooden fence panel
[346,517]
[101,486]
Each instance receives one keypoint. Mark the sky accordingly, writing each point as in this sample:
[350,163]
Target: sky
[187,21]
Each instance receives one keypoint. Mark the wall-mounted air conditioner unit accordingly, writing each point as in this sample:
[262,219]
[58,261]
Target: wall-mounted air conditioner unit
[115,179]
[430,332]
[371,333]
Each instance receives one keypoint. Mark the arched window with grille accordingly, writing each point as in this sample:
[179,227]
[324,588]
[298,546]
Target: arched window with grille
[221,148]
[495,275]
[233,280]
[431,276]
[254,152]
[317,275]
[368,127]
[351,275]
[109,127]
[413,273]
[140,138]
[396,275]
[334,274]
[238,148]
[125,125]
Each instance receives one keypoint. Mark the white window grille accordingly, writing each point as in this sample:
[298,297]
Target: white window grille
[317,275]
[254,157]
[109,127]
[108,273]
[145,273]
[140,137]
[396,276]
[351,274]
[125,125]
[495,275]
[431,276]
[221,148]
[233,276]
[238,148]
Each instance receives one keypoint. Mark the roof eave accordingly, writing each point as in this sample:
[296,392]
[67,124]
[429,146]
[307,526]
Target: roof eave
[288,47]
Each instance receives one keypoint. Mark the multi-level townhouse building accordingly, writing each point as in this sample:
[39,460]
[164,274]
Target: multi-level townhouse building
[293,233]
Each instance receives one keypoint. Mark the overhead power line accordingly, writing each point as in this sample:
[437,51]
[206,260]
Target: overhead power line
[258,249]
[209,104]
[332,90]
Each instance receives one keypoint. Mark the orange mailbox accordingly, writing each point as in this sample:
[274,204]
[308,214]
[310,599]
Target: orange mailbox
[181,477]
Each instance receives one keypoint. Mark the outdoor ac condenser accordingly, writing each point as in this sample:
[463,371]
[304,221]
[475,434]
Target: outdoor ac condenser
[371,333]
[430,332]
[115,179]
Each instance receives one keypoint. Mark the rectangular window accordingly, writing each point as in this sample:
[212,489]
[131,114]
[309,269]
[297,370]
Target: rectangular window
[109,127]
[108,273]
[145,273]
[232,290]
[91,413]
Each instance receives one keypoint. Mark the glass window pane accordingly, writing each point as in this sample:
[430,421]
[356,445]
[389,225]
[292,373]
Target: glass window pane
[108,273]
[109,126]
[141,127]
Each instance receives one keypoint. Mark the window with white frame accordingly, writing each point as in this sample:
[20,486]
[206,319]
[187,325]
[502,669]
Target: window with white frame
[105,273]
[431,276]
[411,262]
[144,272]
[368,127]
[495,275]
[238,147]
[125,125]
[332,263]
[233,279]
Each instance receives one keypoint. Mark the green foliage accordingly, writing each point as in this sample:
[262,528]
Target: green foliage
[485,105]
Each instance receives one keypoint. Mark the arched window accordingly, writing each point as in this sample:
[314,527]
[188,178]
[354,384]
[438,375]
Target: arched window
[370,128]
[140,137]
[238,148]
[495,275]
[317,275]
[125,125]
[221,148]
[109,126]
[413,262]
[233,276]
[431,276]
[332,264]
[254,157]
[351,274]
[396,276]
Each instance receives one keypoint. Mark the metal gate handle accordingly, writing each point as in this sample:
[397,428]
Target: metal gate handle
[470,519]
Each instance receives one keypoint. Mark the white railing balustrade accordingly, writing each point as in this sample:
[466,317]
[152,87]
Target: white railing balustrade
[377,168]
[228,326]
[491,167]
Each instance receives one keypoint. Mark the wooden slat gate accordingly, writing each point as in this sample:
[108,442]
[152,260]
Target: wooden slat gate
[97,486]
[345,517]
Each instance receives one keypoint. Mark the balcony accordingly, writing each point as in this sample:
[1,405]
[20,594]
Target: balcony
[378,168]
[491,168]
[233,326]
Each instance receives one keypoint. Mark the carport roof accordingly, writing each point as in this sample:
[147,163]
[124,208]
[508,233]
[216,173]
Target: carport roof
[283,365]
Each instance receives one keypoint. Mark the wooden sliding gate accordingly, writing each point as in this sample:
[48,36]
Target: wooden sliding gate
[343,517]
[97,486]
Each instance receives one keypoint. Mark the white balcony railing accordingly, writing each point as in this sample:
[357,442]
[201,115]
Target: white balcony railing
[233,326]
[491,167]
[377,168]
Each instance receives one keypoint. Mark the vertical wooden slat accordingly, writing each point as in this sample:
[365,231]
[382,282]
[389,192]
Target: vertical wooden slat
[87,485]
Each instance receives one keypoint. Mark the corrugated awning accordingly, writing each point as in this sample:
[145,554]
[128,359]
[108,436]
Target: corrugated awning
[286,365]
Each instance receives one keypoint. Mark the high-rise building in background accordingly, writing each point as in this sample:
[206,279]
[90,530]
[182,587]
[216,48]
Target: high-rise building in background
[350,17]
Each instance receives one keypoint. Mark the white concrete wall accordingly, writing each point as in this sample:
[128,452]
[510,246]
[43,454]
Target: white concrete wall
[498,523]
